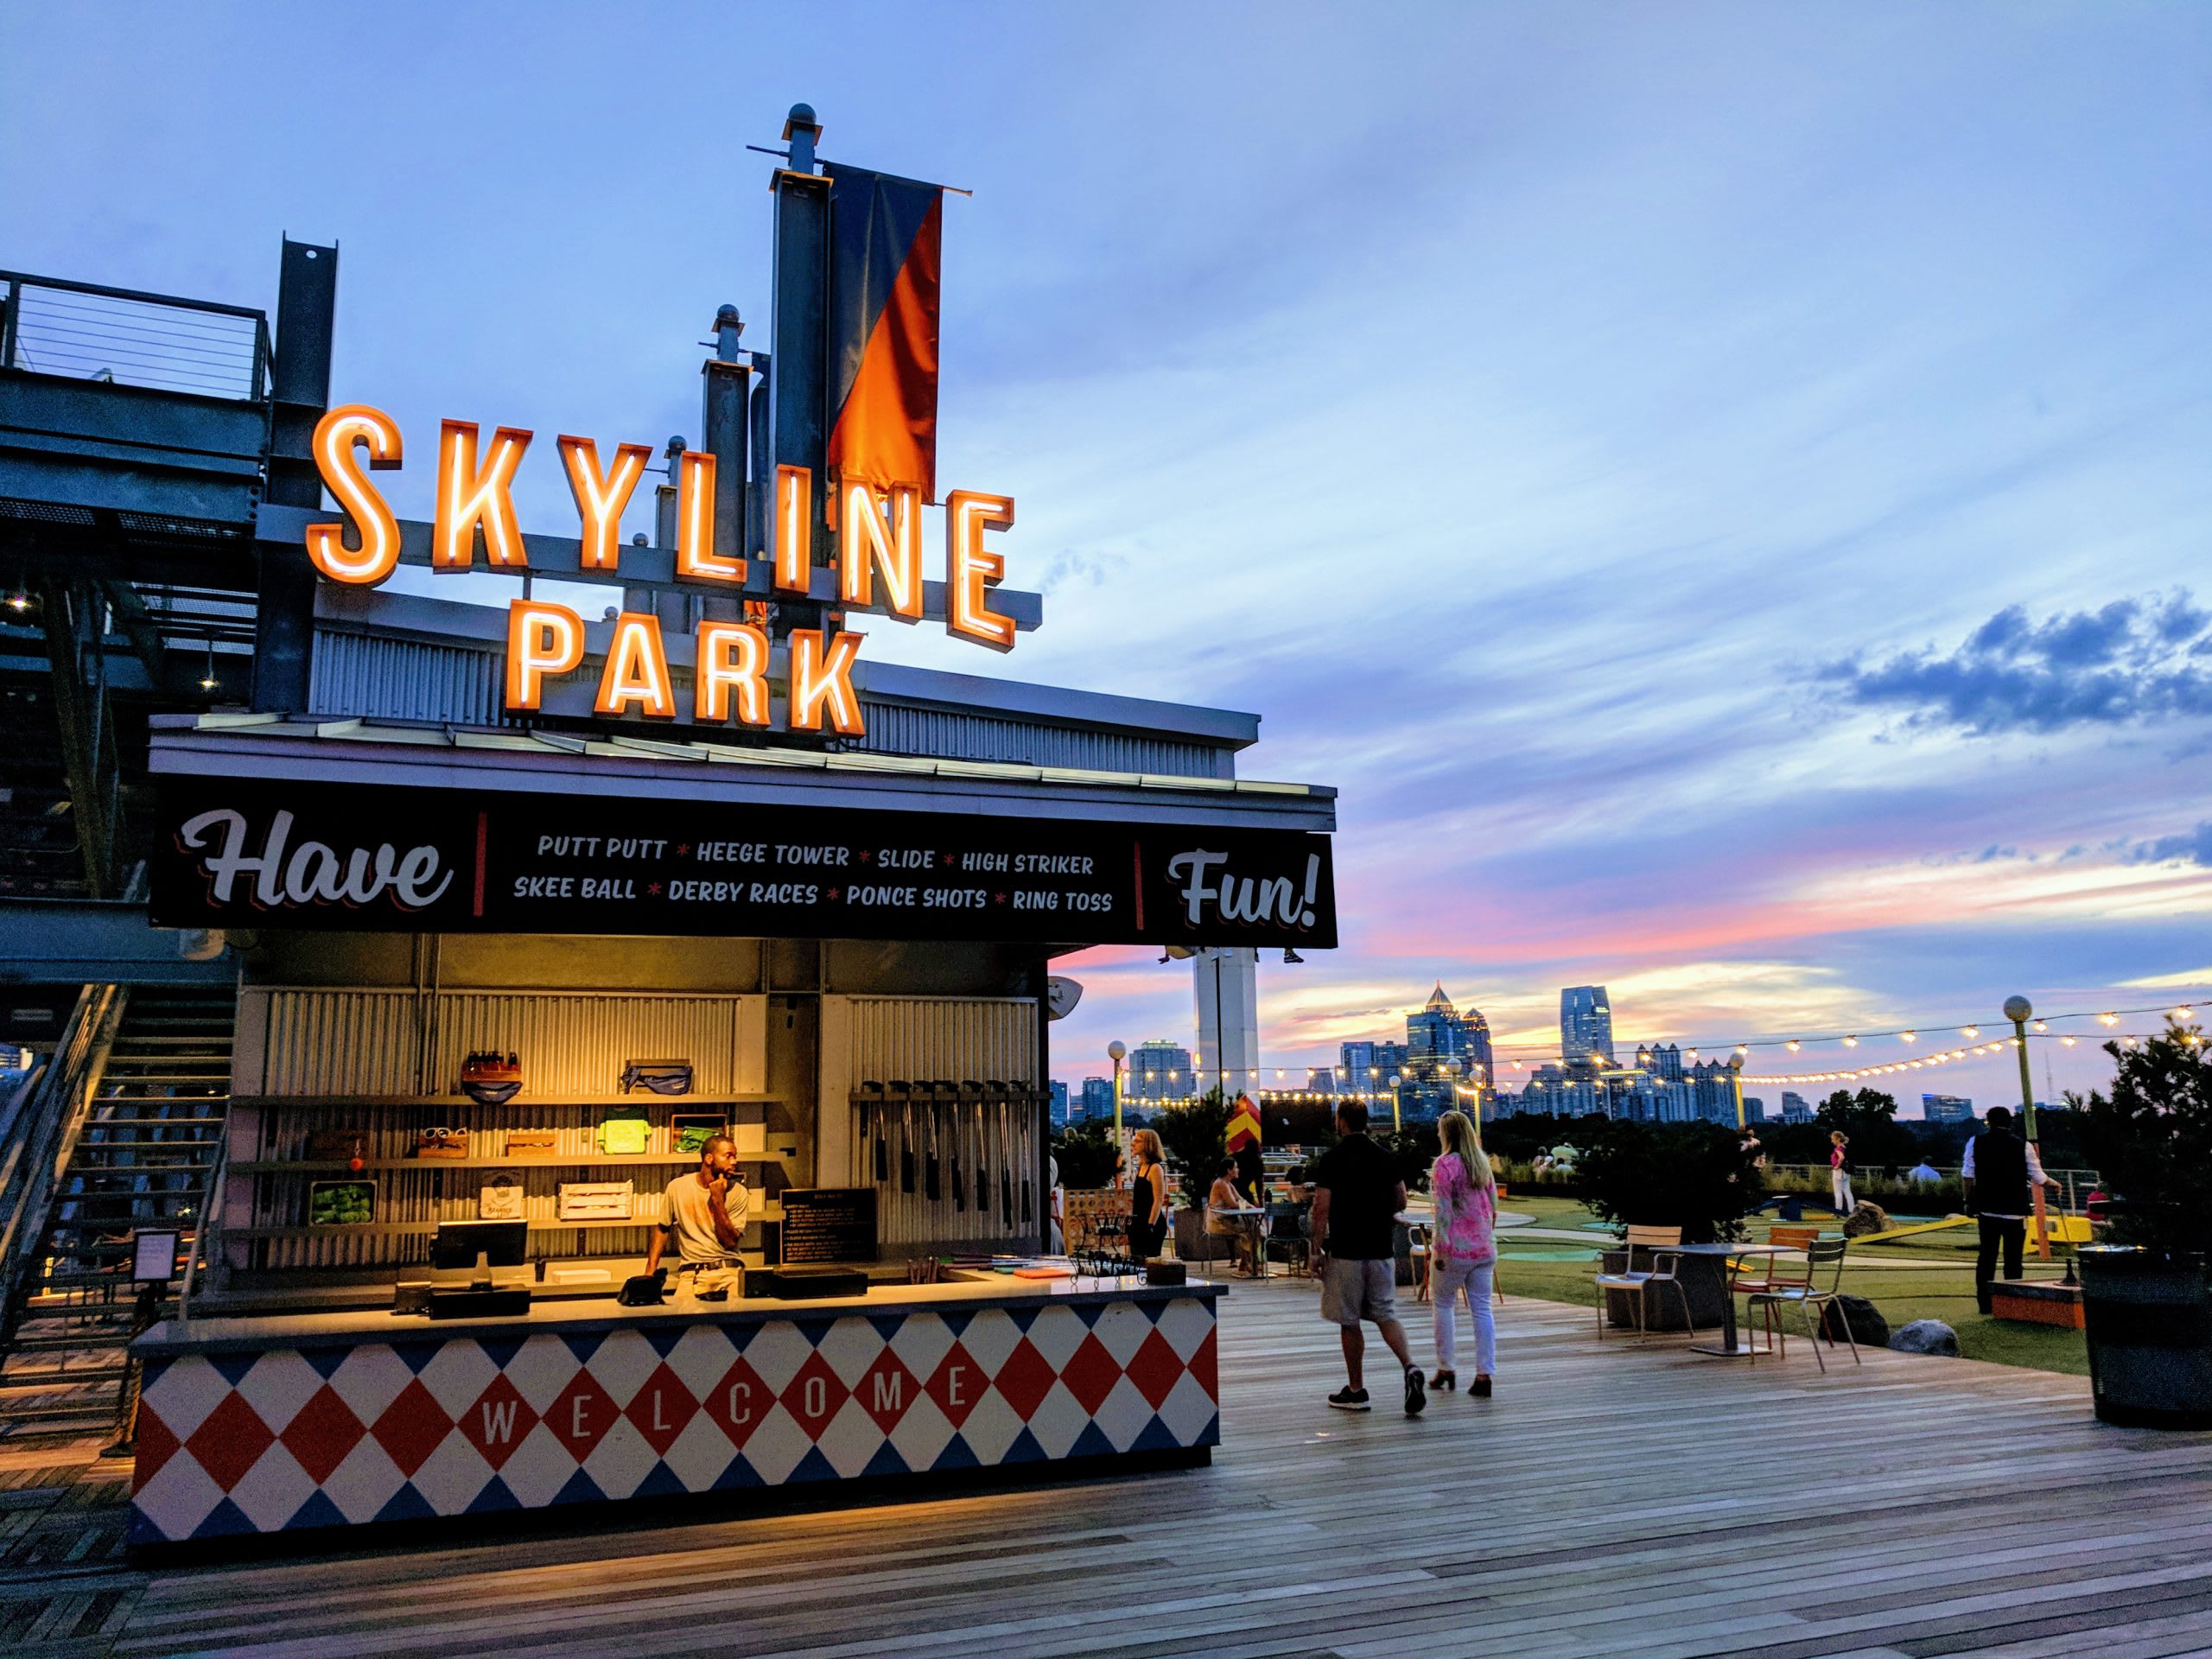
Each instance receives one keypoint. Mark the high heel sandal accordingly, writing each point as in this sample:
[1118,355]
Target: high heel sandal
[1481,1389]
[1446,1379]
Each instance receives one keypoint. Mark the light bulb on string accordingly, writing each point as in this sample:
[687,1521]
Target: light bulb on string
[2041,1025]
[1793,1044]
[2066,1042]
[1851,1042]
[1969,1031]
[2108,1019]
[1909,1036]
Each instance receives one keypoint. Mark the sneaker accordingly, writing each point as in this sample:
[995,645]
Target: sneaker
[1350,1400]
[1417,1394]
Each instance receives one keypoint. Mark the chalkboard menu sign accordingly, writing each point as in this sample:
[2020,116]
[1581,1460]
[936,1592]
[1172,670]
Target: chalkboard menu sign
[828,1223]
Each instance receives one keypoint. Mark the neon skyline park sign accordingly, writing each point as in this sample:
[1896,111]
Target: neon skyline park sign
[879,569]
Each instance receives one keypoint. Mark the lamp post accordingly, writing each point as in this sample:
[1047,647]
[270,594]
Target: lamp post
[1118,1051]
[2020,1010]
[1736,1082]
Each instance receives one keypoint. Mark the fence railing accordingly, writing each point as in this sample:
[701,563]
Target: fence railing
[84,331]
[42,1121]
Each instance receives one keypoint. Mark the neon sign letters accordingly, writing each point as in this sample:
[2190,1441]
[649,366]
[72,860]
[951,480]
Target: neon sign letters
[879,567]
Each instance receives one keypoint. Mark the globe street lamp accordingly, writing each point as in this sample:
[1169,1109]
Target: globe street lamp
[2019,1011]
[1118,1051]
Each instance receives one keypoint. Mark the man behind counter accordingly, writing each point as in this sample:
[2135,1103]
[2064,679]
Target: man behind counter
[703,1212]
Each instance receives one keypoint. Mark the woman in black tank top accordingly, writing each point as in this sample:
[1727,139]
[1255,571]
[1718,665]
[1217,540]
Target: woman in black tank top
[1147,1198]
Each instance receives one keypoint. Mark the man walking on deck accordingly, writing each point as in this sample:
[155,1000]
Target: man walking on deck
[1356,1198]
[2000,1174]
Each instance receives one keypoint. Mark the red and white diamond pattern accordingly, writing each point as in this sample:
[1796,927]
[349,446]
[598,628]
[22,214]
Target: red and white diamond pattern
[289,1439]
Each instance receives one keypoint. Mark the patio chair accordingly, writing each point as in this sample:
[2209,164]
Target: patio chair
[1639,1285]
[1752,1275]
[1823,1258]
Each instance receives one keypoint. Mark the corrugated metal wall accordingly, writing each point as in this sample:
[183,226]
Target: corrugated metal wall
[950,1037]
[573,1044]
[373,676]
[956,1040]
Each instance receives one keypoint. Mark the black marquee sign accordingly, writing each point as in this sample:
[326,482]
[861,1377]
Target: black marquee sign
[266,854]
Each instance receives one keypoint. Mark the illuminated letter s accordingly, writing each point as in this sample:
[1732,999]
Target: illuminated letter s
[335,435]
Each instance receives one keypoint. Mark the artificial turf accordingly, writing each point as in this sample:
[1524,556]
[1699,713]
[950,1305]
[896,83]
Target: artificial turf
[1940,1287]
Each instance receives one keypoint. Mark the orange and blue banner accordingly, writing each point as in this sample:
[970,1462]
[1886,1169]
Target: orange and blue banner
[886,234]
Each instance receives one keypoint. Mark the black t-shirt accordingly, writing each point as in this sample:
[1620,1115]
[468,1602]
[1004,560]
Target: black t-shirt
[1363,1185]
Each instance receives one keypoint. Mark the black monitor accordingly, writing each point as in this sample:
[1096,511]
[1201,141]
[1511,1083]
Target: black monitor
[481,1245]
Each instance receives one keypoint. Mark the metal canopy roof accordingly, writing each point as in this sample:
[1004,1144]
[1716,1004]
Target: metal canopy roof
[507,761]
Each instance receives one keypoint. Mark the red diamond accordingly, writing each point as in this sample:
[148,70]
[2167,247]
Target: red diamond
[1206,1367]
[736,1404]
[412,1427]
[580,1413]
[231,1441]
[498,1422]
[956,1385]
[886,1390]
[815,1395]
[662,1408]
[321,1434]
[155,1445]
[1024,1380]
[1156,1370]
[1090,1374]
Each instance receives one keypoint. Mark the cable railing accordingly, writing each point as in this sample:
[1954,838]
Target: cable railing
[41,1122]
[84,331]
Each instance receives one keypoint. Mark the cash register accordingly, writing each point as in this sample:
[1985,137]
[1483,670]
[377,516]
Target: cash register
[463,1255]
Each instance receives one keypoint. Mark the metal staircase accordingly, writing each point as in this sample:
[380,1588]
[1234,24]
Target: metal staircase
[144,1147]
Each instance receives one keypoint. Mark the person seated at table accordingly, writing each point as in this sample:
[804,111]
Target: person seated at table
[1226,1217]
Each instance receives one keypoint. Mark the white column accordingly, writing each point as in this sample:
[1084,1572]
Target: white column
[1225,996]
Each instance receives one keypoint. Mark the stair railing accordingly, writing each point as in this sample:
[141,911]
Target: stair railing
[43,1123]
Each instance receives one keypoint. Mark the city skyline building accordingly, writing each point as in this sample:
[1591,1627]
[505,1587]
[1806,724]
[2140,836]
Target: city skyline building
[1947,1109]
[1097,1100]
[1585,1024]
[1159,1070]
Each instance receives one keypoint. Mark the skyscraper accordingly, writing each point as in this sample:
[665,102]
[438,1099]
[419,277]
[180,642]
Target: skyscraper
[1585,1024]
[1439,1033]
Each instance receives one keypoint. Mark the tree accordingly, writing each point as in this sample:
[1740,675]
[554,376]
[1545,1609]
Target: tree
[1195,1138]
[1869,1121]
[1688,1175]
[1087,1156]
[2152,1141]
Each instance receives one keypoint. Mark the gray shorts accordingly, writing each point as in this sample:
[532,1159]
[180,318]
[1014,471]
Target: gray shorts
[1352,1291]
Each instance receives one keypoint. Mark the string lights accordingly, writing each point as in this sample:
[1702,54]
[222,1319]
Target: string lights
[1511,1069]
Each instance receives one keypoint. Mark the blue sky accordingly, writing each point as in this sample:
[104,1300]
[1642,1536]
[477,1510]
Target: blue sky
[1718,489]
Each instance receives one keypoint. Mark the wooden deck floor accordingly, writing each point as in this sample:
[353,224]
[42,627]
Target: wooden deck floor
[1614,1500]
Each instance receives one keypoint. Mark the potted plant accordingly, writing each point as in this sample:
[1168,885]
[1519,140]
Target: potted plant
[2145,1297]
[1693,1176]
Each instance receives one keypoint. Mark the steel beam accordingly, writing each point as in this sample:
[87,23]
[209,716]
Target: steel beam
[306,313]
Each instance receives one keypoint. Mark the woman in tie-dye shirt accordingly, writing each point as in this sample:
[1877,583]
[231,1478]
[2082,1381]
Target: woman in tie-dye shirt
[1461,1254]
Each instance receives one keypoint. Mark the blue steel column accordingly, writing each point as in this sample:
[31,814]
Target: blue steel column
[307,311]
[798,382]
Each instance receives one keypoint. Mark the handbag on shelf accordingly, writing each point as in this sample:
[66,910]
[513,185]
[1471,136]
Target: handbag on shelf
[658,1076]
[690,1132]
[623,1133]
[490,1078]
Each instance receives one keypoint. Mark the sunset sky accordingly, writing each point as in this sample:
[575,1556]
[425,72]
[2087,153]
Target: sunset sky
[1724,492]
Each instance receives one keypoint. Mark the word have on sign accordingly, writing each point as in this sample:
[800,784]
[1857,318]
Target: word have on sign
[881,542]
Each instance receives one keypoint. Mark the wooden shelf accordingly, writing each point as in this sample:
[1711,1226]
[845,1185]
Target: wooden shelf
[341,1167]
[769,1211]
[462,1103]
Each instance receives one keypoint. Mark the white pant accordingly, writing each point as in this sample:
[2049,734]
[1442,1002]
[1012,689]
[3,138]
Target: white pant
[1449,1285]
[1839,1189]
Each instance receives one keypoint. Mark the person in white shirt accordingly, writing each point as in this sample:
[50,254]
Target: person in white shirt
[703,1214]
[2001,1172]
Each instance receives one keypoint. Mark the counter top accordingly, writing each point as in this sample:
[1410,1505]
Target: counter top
[583,1315]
